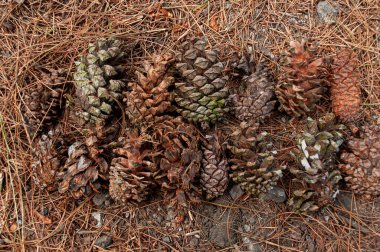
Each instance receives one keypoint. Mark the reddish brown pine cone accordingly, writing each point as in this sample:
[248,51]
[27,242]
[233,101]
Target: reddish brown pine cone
[165,155]
[345,86]
[180,161]
[302,81]
[150,97]
[133,171]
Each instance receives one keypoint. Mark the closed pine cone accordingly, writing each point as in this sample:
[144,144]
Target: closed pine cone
[361,162]
[43,101]
[214,172]
[201,93]
[345,86]
[150,96]
[98,81]
[302,81]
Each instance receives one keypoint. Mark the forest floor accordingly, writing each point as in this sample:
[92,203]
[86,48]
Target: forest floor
[53,33]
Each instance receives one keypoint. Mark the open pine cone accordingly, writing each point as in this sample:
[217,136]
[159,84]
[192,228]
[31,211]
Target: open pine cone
[252,159]
[239,140]
[164,154]
[98,81]
[214,172]
[361,162]
[43,101]
[150,96]
[254,101]
[315,155]
[133,171]
[201,93]
[49,155]
[345,86]
[180,161]
[302,81]
[83,166]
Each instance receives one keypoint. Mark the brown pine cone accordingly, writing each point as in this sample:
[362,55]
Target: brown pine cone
[315,157]
[257,175]
[49,155]
[303,201]
[134,170]
[84,165]
[302,81]
[251,158]
[150,96]
[214,172]
[361,162]
[164,154]
[239,140]
[254,101]
[43,101]
[180,160]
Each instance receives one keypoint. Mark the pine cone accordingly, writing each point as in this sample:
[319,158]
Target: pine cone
[201,94]
[98,81]
[134,170]
[361,162]
[43,103]
[254,102]
[315,155]
[345,86]
[256,176]
[214,172]
[83,167]
[252,159]
[180,160]
[302,81]
[49,155]
[150,96]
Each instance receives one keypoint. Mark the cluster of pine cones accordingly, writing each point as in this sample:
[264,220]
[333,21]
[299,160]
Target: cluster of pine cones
[188,123]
